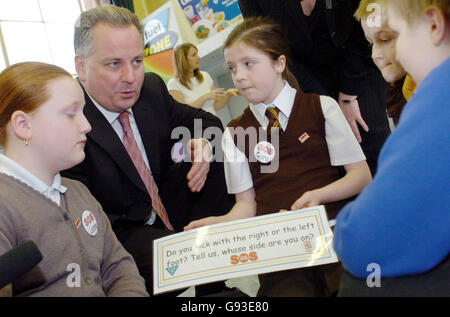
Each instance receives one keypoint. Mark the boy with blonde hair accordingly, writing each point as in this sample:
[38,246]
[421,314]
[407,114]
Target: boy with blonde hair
[398,227]
[373,17]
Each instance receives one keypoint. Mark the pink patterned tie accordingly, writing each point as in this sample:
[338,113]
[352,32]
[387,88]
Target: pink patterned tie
[136,156]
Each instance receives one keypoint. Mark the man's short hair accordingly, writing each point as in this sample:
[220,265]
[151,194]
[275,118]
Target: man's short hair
[108,14]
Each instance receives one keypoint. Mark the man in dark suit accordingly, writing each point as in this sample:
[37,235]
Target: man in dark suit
[128,166]
[332,57]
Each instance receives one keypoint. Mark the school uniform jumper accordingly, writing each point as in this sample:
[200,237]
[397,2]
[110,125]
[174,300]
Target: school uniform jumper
[81,254]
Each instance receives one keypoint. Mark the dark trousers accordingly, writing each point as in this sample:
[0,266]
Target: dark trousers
[434,283]
[316,281]
[213,200]
[137,239]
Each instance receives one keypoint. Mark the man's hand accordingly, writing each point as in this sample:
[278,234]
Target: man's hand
[200,153]
[352,114]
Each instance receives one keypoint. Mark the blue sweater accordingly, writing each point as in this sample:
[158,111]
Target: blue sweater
[401,221]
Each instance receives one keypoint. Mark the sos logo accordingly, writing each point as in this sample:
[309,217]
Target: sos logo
[244,258]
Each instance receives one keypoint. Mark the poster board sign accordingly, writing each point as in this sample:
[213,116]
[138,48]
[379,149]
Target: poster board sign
[269,243]
[209,17]
[161,35]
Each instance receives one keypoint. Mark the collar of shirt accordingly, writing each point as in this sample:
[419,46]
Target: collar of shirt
[284,101]
[13,169]
[112,118]
[109,115]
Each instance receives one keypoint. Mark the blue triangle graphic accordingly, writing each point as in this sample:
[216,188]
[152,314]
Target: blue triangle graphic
[172,269]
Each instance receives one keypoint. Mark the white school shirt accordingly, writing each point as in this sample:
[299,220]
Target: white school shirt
[196,91]
[14,169]
[113,119]
[342,145]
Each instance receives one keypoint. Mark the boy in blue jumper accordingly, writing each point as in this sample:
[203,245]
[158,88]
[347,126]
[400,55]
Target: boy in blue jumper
[401,221]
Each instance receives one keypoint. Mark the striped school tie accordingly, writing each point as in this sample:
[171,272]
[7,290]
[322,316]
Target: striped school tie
[272,115]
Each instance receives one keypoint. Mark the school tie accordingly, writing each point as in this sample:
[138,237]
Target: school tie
[136,156]
[272,115]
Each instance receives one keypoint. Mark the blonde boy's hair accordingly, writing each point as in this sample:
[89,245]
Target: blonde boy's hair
[364,8]
[413,10]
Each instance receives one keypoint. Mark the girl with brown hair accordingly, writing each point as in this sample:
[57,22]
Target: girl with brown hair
[309,136]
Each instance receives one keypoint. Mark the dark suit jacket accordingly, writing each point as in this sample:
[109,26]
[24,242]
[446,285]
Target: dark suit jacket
[111,177]
[345,32]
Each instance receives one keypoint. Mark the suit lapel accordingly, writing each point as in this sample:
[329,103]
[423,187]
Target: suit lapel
[104,135]
[149,130]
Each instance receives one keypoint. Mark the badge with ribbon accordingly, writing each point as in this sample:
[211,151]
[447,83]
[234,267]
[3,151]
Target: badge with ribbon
[89,223]
[264,152]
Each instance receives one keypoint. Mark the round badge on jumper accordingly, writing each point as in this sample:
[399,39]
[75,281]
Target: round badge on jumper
[89,222]
[264,152]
